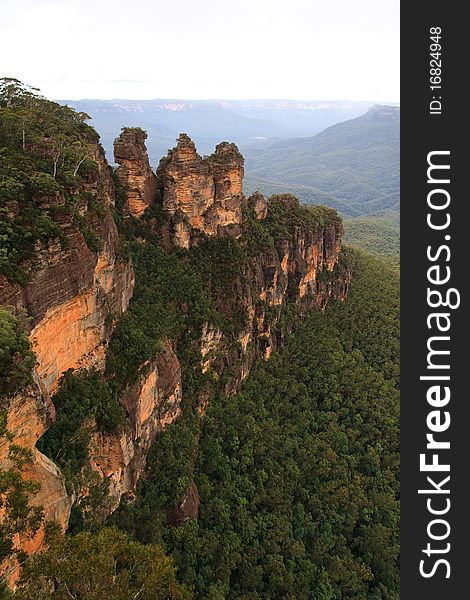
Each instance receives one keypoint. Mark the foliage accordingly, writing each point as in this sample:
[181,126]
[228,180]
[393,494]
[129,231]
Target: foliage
[16,357]
[92,239]
[44,184]
[170,460]
[371,321]
[93,501]
[352,166]
[377,234]
[18,516]
[82,399]
[105,566]
[298,473]
[284,216]
[176,293]
[45,150]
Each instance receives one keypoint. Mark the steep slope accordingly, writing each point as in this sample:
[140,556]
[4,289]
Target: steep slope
[298,474]
[220,279]
[60,267]
[352,166]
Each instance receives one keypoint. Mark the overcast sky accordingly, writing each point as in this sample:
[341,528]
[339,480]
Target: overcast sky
[142,49]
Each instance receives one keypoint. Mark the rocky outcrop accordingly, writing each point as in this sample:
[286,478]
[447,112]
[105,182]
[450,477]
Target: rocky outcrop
[74,294]
[152,403]
[258,203]
[302,269]
[187,508]
[29,415]
[73,334]
[134,171]
[202,195]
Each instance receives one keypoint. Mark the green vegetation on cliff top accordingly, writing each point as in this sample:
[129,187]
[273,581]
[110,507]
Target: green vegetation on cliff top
[45,150]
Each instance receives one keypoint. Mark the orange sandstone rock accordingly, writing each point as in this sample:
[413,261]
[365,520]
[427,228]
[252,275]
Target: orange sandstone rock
[202,195]
[29,414]
[134,170]
[152,403]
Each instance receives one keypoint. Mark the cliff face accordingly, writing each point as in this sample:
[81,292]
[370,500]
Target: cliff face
[152,403]
[29,414]
[73,295]
[76,293]
[202,195]
[301,269]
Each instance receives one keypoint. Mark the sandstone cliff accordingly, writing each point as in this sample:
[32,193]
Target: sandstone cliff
[300,270]
[74,292]
[29,414]
[77,291]
[151,404]
[73,296]
[202,195]
[134,171]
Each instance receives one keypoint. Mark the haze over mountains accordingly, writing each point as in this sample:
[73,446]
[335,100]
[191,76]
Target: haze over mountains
[341,154]
[352,166]
[209,121]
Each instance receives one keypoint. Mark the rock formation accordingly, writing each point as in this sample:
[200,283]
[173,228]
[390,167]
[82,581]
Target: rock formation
[134,171]
[152,403]
[258,203]
[187,508]
[29,414]
[76,293]
[202,195]
[299,269]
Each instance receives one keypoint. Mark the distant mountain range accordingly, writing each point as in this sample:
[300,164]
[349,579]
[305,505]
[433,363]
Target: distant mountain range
[352,166]
[340,154]
[208,122]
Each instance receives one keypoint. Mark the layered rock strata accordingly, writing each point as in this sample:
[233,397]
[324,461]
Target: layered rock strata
[301,269]
[134,171]
[202,195]
[75,294]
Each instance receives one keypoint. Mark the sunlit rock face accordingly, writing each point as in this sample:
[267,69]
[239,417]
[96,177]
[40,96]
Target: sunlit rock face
[134,172]
[73,297]
[29,415]
[202,195]
[74,294]
[152,403]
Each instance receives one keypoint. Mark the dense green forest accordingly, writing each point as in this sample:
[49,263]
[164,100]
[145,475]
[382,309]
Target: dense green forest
[298,474]
[378,234]
[352,166]
[45,149]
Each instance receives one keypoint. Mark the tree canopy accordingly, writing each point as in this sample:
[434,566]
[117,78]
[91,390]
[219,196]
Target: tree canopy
[103,566]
